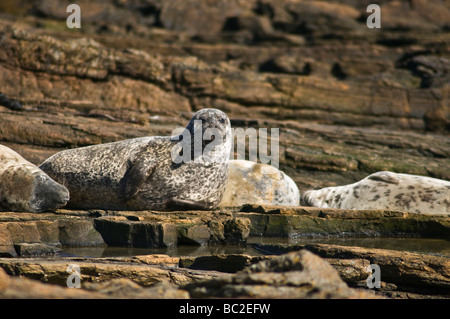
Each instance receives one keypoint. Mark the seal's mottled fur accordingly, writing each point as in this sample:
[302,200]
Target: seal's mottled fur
[139,173]
[386,190]
[258,184]
[24,187]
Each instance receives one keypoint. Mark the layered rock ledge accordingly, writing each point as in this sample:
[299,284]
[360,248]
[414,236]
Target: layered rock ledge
[348,100]
[404,275]
[27,234]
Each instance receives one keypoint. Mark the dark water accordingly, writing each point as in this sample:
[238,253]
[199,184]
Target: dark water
[437,247]
[172,251]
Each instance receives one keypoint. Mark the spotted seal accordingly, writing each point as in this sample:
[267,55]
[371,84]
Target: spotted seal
[386,190]
[258,184]
[25,187]
[150,173]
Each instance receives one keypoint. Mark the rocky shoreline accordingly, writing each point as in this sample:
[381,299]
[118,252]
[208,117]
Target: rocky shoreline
[348,101]
[40,236]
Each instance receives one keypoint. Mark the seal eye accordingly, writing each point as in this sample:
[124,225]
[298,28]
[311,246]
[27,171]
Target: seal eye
[222,120]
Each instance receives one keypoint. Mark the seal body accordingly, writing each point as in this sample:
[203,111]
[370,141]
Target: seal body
[386,190]
[150,172]
[25,187]
[258,184]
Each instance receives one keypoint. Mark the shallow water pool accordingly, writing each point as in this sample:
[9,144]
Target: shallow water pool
[255,246]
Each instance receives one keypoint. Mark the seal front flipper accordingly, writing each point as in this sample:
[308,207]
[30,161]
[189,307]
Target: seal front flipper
[136,176]
[183,204]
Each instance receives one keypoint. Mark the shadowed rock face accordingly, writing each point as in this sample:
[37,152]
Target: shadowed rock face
[349,101]
[294,275]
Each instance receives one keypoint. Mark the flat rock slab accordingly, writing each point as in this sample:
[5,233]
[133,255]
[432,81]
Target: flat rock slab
[295,275]
[20,232]
[299,274]
[404,271]
[24,288]
[403,275]
[273,221]
[95,270]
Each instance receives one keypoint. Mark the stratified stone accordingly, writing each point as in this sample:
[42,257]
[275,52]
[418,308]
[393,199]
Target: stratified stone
[6,243]
[294,275]
[125,288]
[35,249]
[415,272]
[237,229]
[77,232]
[101,270]
[226,263]
[136,234]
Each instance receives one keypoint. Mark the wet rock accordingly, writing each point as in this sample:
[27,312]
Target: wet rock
[101,270]
[408,270]
[272,221]
[168,229]
[35,249]
[224,263]
[294,275]
[6,243]
[416,273]
[49,232]
[198,234]
[125,288]
[237,229]
[146,229]
[75,232]
[24,288]
[26,232]
[136,234]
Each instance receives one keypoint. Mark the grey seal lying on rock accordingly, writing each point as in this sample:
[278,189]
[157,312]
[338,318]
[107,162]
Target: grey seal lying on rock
[258,184]
[187,171]
[25,187]
[386,190]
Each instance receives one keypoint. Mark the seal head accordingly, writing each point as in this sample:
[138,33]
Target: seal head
[25,187]
[47,194]
[206,138]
